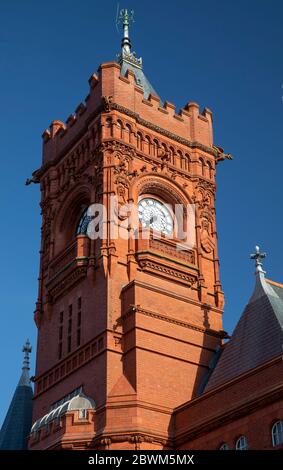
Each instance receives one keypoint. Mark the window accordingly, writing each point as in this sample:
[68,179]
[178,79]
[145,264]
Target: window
[83,414]
[139,141]
[224,446]
[242,443]
[277,433]
[155,148]
[202,165]
[78,337]
[60,351]
[70,326]
[61,332]
[210,169]
[60,335]
[69,344]
[146,145]
[79,321]
[127,133]
[119,129]
[108,127]
[83,223]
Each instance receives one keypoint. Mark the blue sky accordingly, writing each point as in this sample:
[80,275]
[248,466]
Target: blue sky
[224,55]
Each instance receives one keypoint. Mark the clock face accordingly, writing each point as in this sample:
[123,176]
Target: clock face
[155,215]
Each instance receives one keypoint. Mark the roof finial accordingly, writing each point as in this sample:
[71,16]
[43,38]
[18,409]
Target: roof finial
[27,350]
[258,256]
[125,18]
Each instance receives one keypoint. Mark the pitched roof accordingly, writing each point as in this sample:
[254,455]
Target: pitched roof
[140,77]
[17,423]
[258,336]
[128,60]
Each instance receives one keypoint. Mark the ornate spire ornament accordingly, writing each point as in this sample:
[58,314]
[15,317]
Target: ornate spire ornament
[258,256]
[125,18]
[25,380]
[27,350]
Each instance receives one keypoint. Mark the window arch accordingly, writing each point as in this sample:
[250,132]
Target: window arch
[277,433]
[83,223]
[120,129]
[155,147]
[187,162]
[224,446]
[139,141]
[242,443]
[108,127]
[202,165]
[127,133]
[146,145]
[210,170]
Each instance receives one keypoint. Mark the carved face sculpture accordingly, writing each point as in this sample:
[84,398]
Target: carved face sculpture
[155,215]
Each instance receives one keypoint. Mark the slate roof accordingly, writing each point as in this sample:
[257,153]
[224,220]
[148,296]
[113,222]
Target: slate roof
[141,79]
[258,336]
[17,423]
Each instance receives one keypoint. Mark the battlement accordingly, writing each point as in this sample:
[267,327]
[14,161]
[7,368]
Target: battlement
[109,87]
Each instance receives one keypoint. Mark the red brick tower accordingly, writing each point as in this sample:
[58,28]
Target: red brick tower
[126,326]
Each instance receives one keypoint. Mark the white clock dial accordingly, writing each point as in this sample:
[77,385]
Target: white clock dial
[153,214]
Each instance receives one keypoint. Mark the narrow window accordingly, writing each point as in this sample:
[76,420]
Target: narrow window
[277,433]
[60,335]
[69,344]
[60,348]
[78,337]
[242,443]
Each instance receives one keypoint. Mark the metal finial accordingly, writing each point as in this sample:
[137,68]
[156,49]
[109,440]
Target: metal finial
[258,256]
[27,350]
[125,18]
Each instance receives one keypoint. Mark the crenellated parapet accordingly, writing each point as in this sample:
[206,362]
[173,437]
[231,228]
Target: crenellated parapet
[109,91]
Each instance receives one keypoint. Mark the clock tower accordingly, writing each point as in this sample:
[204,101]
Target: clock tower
[129,308]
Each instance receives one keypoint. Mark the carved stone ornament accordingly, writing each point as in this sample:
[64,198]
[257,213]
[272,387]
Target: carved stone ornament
[107,103]
[207,241]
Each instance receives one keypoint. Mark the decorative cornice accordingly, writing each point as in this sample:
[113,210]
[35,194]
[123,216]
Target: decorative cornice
[63,284]
[167,271]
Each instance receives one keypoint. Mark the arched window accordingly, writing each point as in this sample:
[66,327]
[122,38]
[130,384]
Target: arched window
[187,162]
[146,146]
[119,129]
[127,133]
[83,223]
[155,148]
[277,433]
[108,127]
[179,158]
[202,165]
[210,169]
[224,446]
[242,443]
[139,141]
